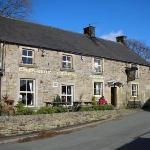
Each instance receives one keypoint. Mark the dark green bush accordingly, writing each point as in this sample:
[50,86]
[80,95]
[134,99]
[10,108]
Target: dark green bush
[49,110]
[25,111]
[86,108]
[103,107]
[60,109]
[22,110]
[96,107]
[45,110]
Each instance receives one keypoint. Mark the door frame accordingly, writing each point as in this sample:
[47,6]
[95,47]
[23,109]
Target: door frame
[114,95]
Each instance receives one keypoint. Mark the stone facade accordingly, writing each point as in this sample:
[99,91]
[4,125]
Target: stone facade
[48,75]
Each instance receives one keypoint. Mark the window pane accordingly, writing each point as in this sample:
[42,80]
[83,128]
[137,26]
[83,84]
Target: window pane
[29,61]
[97,65]
[23,98]
[69,99]
[64,64]
[63,99]
[64,58]
[98,69]
[29,85]
[97,61]
[22,85]
[98,88]
[30,99]
[29,53]
[69,90]
[24,60]
[69,58]
[133,87]
[133,93]
[24,52]
[63,89]
[69,65]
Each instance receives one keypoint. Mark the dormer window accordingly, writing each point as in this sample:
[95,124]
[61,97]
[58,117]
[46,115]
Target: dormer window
[27,56]
[98,65]
[67,62]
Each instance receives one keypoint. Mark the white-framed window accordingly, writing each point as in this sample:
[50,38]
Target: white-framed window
[98,88]
[67,62]
[134,90]
[67,94]
[98,65]
[27,91]
[27,56]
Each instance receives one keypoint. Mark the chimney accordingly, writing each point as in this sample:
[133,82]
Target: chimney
[90,31]
[121,39]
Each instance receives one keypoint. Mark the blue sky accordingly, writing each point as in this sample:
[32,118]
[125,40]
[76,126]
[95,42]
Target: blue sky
[110,17]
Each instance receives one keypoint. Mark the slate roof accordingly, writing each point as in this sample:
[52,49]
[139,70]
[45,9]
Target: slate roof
[35,35]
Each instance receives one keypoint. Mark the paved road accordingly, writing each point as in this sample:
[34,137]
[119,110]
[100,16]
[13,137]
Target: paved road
[130,133]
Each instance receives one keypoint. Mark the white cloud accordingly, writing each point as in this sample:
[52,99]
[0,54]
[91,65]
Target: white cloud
[112,35]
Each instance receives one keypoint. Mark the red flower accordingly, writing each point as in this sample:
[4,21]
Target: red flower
[102,101]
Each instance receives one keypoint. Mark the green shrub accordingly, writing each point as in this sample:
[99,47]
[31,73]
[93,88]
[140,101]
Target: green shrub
[103,107]
[45,110]
[86,108]
[49,110]
[22,110]
[56,101]
[60,109]
[96,107]
[94,101]
[25,111]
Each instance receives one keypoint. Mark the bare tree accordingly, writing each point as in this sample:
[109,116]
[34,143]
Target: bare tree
[15,8]
[139,47]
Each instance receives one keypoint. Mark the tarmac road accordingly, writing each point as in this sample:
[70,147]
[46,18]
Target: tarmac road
[129,133]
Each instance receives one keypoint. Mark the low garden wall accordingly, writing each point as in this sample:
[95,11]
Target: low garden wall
[15,125]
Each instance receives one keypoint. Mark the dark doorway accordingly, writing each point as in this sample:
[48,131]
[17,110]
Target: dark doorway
[114,96]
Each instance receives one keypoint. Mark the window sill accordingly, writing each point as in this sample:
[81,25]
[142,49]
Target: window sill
[68,70]
[98,95]
[134,96]
[28,65]
[97,73]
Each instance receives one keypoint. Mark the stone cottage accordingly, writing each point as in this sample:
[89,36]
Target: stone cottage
[39,62]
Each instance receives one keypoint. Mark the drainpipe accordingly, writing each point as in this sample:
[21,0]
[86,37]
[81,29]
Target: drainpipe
[1,66]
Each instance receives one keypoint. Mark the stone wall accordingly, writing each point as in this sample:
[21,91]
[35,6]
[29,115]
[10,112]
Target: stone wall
[15,125]
[82,77]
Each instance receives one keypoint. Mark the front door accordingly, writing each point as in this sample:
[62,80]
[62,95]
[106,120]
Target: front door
[114,96]
[67,94]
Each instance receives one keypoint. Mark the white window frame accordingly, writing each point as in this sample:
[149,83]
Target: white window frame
[67,62]
[66,94]
[27,56]
[98,65]
[136,90]
[101,90]
[26,92]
